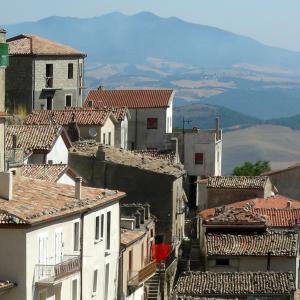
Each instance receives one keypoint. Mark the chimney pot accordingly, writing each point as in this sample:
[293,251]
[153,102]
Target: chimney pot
[6,185]
[78,183]
[289,204]
[137,219]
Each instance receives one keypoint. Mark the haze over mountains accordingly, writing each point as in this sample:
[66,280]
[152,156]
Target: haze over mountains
[204,64]
[214,72]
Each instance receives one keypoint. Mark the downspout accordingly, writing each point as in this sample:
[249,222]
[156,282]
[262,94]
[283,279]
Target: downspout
[78,82]
[33,85]
[136,130]
[81,253]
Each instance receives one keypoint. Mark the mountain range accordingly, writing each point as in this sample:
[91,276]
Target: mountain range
[204,64]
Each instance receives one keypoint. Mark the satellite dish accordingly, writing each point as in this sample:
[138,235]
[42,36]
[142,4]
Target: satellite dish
[92,132]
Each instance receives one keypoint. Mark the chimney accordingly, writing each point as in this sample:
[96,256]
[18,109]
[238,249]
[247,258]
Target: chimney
[6,185]
[78,182]
[15,141]
[147,211]
[100,154]
[142,212]
[289,204]
[137,219]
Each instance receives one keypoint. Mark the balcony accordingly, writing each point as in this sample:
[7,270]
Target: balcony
[142,275]
[50,273]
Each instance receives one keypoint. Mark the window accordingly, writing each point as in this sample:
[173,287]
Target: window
[76,236]
[68,100]
[103,138]
[49,102]
[97,228]
[199,157]
[222,262]
[95,281]
[152,123]
[102,226]
[106,282]
[109,138]
[70,71]
[108,216]
[49,75]
[74,289]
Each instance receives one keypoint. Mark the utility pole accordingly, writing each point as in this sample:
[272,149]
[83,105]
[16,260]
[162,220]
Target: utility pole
[184,121]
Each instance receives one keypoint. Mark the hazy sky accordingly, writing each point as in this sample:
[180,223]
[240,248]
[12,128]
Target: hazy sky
[274,22]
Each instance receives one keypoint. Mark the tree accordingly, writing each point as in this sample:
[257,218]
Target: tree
[250,169]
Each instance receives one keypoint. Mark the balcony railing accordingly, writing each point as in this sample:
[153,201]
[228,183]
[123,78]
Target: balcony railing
[49,273]
[140,276]
[49,82]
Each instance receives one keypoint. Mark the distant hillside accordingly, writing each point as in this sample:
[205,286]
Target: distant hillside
[118,38]
[203,64]
[203,116]
[278,144]
[291,122]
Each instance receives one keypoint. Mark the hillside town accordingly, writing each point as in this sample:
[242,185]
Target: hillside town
[101,198]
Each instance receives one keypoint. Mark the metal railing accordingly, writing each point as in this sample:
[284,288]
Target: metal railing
[143,274]
[52,272]
[49,82]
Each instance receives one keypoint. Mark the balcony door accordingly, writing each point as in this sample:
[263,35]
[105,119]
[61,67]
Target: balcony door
[58,246]
[43,249]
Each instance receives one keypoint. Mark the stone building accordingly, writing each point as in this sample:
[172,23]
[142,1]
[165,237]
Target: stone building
[243,252]
[106,126]
[43,74]
[235,285]
[223,190]
[151,114]
[3,66]
[286,180]
[58,241]
[137,238]
[36,144]
[145,180]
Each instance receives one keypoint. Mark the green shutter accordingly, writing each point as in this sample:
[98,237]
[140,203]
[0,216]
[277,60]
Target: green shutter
[3,55]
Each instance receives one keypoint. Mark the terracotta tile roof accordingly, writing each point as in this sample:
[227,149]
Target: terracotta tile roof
[51,173]
[129,158]
[35,45]
[4,114]
[278,202]
[237,182]
[120,112]
[35,201]
[34,137]
[128,237]
[229,216]
[66,116]
[129,98]
[275,243]
[280,217]
[195,284]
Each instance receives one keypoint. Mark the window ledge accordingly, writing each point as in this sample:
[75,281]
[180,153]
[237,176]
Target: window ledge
[98,241]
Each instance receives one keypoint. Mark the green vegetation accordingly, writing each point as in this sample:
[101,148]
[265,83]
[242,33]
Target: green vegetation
[249,169]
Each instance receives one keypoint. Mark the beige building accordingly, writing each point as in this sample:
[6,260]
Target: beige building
[106,126]
[136,264]
[151,114]
[3,66]
[43,74]
[57,241]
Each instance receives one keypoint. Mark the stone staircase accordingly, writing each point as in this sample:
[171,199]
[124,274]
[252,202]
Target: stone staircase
[153,287]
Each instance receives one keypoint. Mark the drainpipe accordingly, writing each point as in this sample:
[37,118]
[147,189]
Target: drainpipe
[136,129]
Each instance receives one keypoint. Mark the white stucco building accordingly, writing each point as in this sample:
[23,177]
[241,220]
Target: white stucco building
[46,144]
[150,110]
[57,241]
